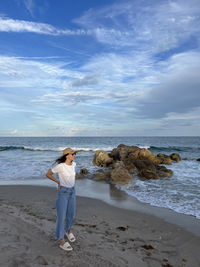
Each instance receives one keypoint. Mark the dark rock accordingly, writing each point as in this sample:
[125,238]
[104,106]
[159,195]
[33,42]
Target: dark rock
[164,159]
[145,164]
[175,157]
[84,171]
[198,159]
[162,171]
[148,174]
[147,170]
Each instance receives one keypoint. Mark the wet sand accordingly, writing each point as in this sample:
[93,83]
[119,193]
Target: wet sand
[106,235]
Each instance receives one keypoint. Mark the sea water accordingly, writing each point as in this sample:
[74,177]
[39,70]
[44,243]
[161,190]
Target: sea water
[28,159]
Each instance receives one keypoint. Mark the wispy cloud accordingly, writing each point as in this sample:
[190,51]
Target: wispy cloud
[14,25]
[151,25]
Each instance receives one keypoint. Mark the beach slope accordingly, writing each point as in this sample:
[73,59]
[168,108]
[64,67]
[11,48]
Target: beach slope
[106,235]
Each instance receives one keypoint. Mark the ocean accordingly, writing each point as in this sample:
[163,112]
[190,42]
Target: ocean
[27,159]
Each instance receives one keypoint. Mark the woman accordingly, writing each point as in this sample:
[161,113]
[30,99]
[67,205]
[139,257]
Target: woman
[66,200]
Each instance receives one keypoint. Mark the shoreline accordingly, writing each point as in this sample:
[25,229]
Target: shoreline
[106,235]
[117,198]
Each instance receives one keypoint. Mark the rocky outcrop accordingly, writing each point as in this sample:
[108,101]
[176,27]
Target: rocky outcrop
[102,159]
[198,159]
[124,161]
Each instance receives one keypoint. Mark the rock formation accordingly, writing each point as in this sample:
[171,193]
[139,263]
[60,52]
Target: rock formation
[126,160]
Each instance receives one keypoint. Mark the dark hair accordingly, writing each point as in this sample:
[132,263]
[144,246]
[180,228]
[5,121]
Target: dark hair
[61,159]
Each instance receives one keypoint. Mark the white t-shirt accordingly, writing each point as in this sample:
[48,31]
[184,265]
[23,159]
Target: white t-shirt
[66,174]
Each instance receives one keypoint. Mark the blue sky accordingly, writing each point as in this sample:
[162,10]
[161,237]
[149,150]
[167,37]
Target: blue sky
[99,67]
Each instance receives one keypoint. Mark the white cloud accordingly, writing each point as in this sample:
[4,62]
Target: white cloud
[151,25]
[144,87]
[19,72]
[193,114]
[11,25]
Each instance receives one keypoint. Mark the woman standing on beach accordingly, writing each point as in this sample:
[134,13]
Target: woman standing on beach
[66,200]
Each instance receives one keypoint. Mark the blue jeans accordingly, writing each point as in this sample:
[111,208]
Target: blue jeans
[66,209]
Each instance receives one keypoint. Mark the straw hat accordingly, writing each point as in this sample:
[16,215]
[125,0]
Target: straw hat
[69,151]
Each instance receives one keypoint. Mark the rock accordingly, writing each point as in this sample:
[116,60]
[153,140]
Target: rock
[130,153]
[167,161]
[161,155]
[115,154]
[148,174]
[175,157]
[102,159]
[125,160]
[129,166]
[121,176]
[84,171]
[198,159]
[162,171]
[102,175]
[164,159]
[117,164]
[147,170]
[145,164]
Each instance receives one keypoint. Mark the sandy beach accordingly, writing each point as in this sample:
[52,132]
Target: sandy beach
[106,235]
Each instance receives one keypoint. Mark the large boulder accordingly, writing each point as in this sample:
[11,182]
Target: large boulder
[120,176]
[175,157]
[102,159]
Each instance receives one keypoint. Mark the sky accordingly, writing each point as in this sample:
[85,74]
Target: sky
[100,68]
